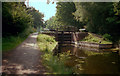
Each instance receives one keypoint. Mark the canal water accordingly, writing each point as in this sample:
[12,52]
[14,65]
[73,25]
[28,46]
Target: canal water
[84,60]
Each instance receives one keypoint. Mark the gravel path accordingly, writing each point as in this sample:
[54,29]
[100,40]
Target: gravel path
[25,59]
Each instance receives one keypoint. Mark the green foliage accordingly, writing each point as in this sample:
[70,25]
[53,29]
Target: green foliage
[52,23]
[37,17]
[64,14]
[95,39]
[93,15]
[11,42]
[46,41]
[17,21]
[55,64]
[99,17]
[117,8]
[45,38]
[15,18]
[107,37]
[96,17]
[64,17]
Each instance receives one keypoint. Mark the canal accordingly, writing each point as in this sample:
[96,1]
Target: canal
[84,60]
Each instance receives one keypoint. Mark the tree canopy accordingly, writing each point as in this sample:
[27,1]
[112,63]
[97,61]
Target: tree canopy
[99,17]
[65,15]
[37,17]
[18,19]
[96,17]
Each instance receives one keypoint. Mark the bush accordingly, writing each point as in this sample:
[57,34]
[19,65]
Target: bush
[15,18]
[54,63]
[11,42]
[107,37]
[45,38]
[46,41]
[94,39]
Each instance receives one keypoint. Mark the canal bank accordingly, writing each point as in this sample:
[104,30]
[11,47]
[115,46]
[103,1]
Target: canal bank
[82,39]
[95,45]
[85,60]
[86,39]
[53,63]
[80,60]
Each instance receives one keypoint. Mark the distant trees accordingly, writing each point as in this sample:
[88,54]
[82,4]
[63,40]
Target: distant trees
[65,15]
[51,23]
[97,17]
[37,17]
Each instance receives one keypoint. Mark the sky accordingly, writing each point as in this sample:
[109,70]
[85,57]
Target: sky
[48,10]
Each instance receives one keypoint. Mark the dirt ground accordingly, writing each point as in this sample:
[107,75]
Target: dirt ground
[24,59]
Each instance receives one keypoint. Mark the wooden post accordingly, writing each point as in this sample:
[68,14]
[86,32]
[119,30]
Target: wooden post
[74,38]
[62,40]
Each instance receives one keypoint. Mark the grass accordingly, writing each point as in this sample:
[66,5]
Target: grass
[11,42]
[94,39]
[56,64]
[46,41]
[52,62]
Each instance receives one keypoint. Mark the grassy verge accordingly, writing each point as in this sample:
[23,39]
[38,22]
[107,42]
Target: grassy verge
[52,62]
[94,39]
[11,42]
[46,41]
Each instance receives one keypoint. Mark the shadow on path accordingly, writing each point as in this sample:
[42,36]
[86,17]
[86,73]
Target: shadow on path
[25,59]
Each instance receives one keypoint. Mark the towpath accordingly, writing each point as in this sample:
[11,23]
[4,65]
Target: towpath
[25,59]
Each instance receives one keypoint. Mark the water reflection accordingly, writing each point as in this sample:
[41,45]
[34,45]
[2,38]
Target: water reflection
[90,60]
[102,64]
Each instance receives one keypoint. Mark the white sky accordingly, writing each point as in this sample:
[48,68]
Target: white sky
[48,10]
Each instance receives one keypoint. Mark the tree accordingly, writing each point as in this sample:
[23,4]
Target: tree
[117,8]
[52,23]
[99,18]
[15,18]
[65,15]
[37,16]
